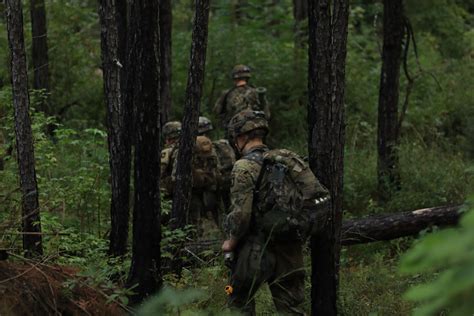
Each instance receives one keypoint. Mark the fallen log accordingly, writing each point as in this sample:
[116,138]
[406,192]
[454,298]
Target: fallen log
[374,228]
[392,226]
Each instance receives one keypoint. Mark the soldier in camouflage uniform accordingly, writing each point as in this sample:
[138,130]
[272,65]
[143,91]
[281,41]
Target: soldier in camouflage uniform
[171,134]
[226,156]
[257,260]
[240,97]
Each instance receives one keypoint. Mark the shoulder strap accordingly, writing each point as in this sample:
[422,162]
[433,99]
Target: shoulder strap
[256,156]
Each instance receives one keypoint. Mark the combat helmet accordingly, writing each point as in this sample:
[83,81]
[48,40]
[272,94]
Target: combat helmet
[241,71]
[204,125]
[247,121]
[172,130]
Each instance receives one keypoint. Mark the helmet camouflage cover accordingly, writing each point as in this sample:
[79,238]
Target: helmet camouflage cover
[241,71]
[204,125]
[247,121]
[172,129]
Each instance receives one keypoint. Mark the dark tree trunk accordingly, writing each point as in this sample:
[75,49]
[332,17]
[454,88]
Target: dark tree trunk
[392,226]
[144,93]
[166,19]
[300,14]
[118,121]
[239,10]
[40,48]
[387,140]
[373,228]
[326,83]
[197,62]
[24,138]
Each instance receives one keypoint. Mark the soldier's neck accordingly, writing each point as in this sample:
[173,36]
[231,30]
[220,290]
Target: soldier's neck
[240,83]
[256,142]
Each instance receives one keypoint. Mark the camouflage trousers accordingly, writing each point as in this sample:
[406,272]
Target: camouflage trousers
[279,264]
[203,204]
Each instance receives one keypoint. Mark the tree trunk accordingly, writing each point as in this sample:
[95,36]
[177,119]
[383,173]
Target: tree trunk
[387,140]
[392,226]
[326,83]
[24,137]
[300,14]
[182,192]
[40,49]
[165,58]
[373,228]
[118,121]
[144,94]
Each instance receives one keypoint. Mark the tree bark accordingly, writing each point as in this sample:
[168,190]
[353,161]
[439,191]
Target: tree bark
[197,62]
[24,137]
[374,228]
[118,121]
[387,136]
[144,94]
[392,226]
[166,22]
[40,49]
[326,82]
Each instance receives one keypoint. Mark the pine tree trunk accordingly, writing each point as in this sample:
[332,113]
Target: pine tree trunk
[182,193]
[166,21]
[326,74]
[118,117]
[300,14]
[40,48]
[24,138]
[144,93]
[392,226]
[387,140]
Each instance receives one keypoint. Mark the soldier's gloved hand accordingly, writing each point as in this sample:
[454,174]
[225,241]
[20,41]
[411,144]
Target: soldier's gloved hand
[229,259]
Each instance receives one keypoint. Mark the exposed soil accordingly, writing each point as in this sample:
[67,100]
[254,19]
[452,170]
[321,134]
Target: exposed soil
[34,288]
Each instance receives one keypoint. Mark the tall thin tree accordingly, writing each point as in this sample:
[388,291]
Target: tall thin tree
[166,22]
[24,137]
[300,14]
[143,92]
[387,137]
[113,44]
[197,62]
[327,21]
[39,49]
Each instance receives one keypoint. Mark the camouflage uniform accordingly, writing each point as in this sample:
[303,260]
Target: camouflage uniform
[171,131]
[259,260]
[239,98]
[205,175]
[226,157]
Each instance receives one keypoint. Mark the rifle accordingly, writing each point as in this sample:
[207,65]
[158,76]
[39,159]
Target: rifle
[261,92]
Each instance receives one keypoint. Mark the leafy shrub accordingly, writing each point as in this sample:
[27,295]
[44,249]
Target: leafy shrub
[449,255]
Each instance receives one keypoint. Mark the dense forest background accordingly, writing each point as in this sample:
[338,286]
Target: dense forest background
[436,144]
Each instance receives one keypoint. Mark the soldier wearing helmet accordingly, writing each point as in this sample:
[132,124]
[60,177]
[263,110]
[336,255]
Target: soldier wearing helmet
[204,126]
[240,97]
[171,134]
[226,156]
[278,262]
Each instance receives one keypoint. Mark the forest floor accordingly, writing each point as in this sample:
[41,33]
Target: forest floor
[30,287]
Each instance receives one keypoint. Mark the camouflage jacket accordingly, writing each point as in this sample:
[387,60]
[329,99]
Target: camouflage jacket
[168,156]
[244,177]
[237,99]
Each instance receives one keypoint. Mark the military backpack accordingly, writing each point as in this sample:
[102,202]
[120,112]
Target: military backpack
[289,201]
[226,156]
[205,164]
